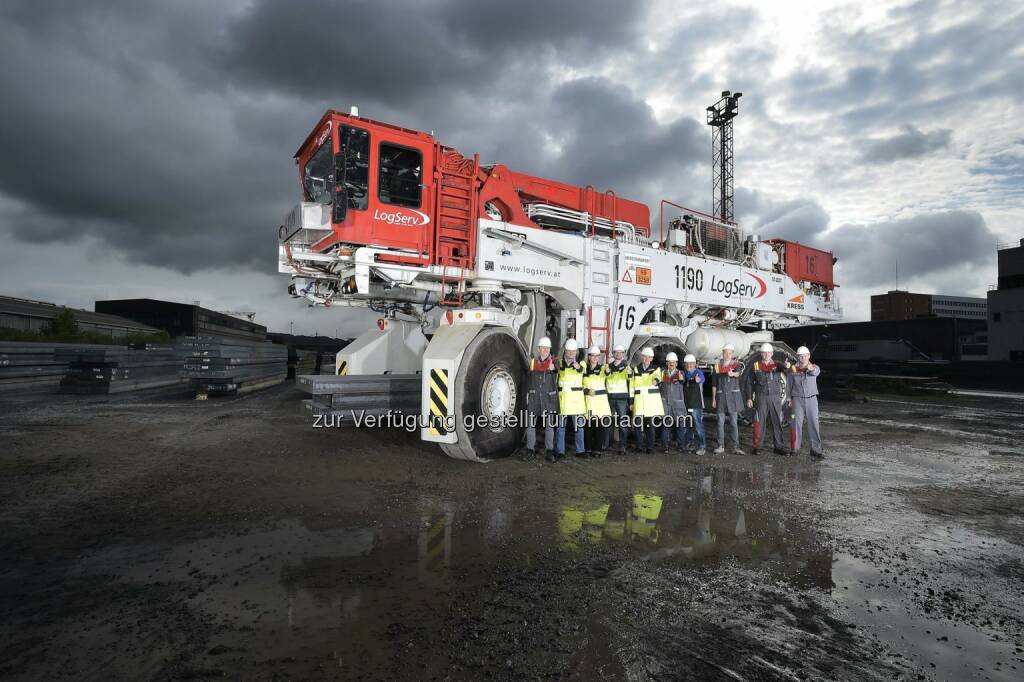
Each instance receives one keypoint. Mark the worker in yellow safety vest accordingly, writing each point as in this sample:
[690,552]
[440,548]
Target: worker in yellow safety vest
[571,402]
[617,374]
[598,409]
[646,399]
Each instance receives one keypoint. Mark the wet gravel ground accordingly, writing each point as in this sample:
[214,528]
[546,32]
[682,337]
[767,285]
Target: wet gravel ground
[163,538]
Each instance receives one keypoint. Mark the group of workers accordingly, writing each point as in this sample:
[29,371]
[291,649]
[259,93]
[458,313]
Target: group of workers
[656,404]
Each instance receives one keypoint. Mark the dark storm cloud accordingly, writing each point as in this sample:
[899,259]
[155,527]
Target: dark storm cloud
[927,245]
[610,139]
[167,130]
[802,219]
[397,51]
[908,144]
[102,137]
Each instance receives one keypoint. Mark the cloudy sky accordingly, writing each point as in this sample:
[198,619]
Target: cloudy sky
[146,147]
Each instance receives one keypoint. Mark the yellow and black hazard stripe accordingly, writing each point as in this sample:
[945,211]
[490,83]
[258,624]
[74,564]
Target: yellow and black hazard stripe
[343,368]
[438,401]
[435,544]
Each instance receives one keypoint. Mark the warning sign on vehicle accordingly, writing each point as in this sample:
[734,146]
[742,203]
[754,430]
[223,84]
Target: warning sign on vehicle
[643,275]
[626,277]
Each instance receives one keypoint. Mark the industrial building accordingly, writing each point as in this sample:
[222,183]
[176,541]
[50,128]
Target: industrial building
[182,319]
[34,316]
[922,338]
[906,305]
[1006,306]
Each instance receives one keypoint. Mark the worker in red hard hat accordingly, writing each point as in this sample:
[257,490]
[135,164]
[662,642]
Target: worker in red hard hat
[541,399]
[765,386]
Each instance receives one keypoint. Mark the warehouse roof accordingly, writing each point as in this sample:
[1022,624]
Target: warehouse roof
[40,309]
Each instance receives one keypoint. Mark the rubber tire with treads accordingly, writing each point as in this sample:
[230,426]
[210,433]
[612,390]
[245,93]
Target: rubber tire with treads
[492,347]
[661,348]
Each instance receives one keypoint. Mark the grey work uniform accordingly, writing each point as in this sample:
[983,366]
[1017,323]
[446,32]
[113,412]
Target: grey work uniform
[728,401]
[764,387]
[803,389]
[541,401]
[673,397]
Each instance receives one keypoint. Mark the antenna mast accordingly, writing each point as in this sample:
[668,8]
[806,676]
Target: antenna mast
[720,116]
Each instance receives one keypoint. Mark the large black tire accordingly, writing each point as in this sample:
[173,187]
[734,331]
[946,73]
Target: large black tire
[493,360]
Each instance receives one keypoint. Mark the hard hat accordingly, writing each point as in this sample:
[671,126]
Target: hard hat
[803,350]
[647,352]
[689,358]
[594,350]
[671,357]
[767,348]
[572,345]
[729,346]
[618,348]
[544,342]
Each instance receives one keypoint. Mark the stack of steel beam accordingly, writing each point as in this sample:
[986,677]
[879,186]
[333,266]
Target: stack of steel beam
[326,363]
[347,398]
[226,365]
[30,367]
[301,362]
[114,369]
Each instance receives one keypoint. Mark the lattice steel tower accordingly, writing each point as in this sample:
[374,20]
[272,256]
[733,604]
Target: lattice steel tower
[720,116]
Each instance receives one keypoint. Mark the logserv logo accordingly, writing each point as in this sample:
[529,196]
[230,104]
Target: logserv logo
[404,216]
[323,135]
[736,287]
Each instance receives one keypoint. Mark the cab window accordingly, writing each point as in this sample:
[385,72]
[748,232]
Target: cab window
[355,145]
[399,179]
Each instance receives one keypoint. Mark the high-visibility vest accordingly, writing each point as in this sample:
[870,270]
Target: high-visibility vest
[617,382]
[596,394]
[570,391]
[646,394]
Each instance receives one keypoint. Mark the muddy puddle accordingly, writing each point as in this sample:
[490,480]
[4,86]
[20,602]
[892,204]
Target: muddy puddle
[561,581]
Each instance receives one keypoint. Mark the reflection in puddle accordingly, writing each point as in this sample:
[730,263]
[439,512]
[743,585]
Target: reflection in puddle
[291,599]
[711,519]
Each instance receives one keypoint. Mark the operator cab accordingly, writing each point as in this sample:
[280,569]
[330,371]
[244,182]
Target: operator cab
[376,178]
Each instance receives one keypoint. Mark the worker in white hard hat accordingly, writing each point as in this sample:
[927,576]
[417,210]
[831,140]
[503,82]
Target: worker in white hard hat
[617,375]
[693,389]
[803,394]
[727,397]
[673,400]
[646,399]
[765,386]
[571,402]
[541,400]
[599,411]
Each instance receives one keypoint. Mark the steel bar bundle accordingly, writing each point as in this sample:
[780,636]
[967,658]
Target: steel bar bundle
[229,365]
[114,369]
[346,397]
[29,367]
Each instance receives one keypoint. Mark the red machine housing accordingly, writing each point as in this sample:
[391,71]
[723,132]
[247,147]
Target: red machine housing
[440,226]
[804,263]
